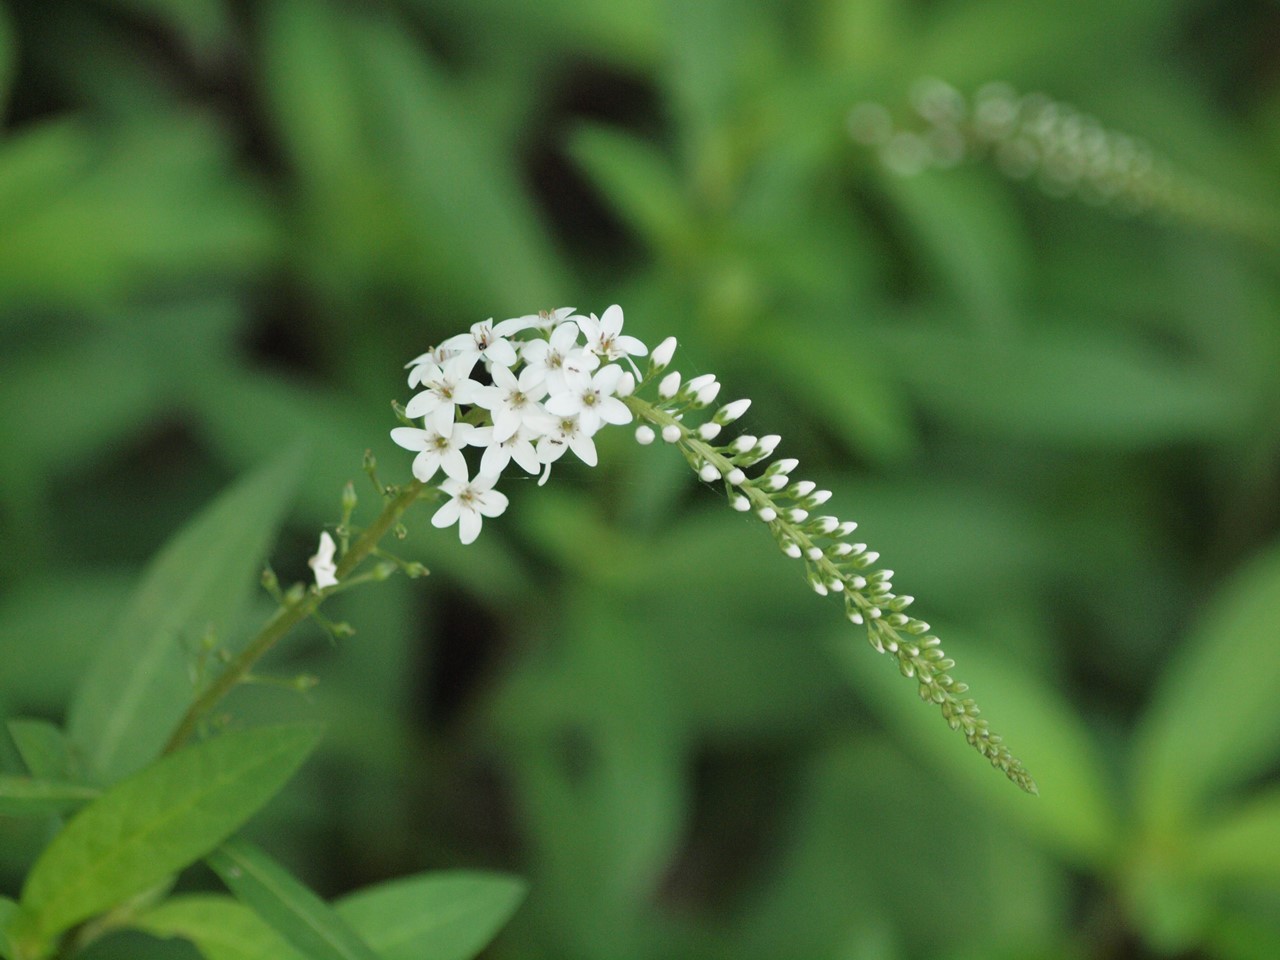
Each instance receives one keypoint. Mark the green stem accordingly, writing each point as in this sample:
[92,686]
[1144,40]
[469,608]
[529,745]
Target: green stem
[290,614]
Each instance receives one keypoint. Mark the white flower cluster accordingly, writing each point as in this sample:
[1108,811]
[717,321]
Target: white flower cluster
[550,383]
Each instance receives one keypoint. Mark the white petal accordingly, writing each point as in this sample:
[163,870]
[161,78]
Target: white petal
[411,438]
[454,464]
[425,465]
[501,352]
[492,503]
[585,449]
[446,515]
[421,404]
[469,526]
[564,404]
[496,457]
[612,410]
[631,346]
[611,320]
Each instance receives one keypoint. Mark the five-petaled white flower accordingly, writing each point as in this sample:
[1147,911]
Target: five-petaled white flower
[605,337]
[558,360]
[593,403]
[322,563]
[437,450]
[512,400]
[446,386]
[468,503]
[487,341]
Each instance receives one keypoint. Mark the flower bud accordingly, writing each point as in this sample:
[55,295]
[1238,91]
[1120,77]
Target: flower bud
[731,411]
[669,386]
[709,473]
[706,395]
[735,476]
[740,503]
[709,430]
[645,434]
[662,353]
[671,433]
[626,385]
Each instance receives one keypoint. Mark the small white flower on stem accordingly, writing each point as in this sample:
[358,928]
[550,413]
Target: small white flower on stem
[593,404]
[512,401]
[445,388]
[645,435]
[322,563]
[486,342]
[468,504]
[568,435]
[436,450]
[518,447]
[559,360]
[605,338]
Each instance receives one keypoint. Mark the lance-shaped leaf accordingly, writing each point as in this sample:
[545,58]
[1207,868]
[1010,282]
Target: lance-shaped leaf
[220,927]
[156,822]
[293,909]
[1244,845]
[139,684]
[29,797]
[433,916]
[1210,725]
[44,749]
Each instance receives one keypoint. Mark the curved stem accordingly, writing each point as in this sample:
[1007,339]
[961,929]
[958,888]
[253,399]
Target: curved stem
[288,616]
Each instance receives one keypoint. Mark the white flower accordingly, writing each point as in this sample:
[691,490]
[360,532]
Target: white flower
[512,401]
[436,450]
[544,320]
[594,403]
[322,563]
[518,447]
[484,341]
[468,503]
[446,387]
[605,338]
[568,435]
[559,361]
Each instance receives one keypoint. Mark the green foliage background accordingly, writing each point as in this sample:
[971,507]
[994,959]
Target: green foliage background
[226,226]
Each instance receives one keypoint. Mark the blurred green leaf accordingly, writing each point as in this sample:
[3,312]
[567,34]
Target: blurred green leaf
[44,749]
[1206,728]
[290,907]
[157,822]
[1241,844]
[635,176]
[964,223]
[8,910]
[46,626]
[90,219]
[433,916]
[222,928]
[138,685]
[1079,387]
[28,797]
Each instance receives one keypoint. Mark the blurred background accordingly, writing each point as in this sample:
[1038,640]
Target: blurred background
[1030,341]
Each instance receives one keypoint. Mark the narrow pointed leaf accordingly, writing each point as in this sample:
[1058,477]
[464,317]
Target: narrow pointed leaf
[157,822]
[44,749]
[29,797]
[434,916]
[294,910]
[221,928]
[1208,727]
[139,685]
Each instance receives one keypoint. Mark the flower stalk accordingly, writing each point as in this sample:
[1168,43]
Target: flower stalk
[295,607]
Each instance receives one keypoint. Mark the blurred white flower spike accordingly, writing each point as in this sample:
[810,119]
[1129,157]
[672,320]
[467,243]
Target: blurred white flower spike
[326,570]
[532,388]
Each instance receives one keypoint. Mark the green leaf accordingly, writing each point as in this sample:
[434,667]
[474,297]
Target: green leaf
[434,916]
[220,927]
[8,911]
[138,685]
[44,749]
[28,797]
[964,225]
[288,905]
[641,182]
[157,822]
[1209,725]
[1242,845]
[1077,386]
